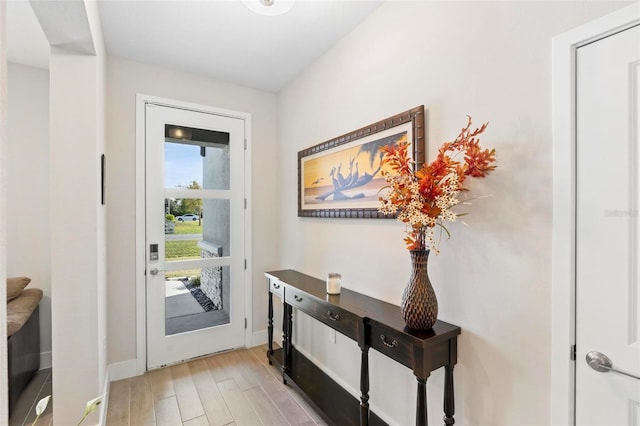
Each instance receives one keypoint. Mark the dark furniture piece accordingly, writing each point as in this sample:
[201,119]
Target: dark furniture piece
[23,350]
[370,322]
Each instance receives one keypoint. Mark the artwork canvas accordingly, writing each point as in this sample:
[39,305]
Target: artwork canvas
[343,177]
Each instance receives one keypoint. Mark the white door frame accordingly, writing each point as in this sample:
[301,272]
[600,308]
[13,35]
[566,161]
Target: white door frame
[141,312]
[564,202]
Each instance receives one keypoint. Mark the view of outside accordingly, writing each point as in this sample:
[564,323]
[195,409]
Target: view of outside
[183,229]
[183,165]
[183,170]
[196,229]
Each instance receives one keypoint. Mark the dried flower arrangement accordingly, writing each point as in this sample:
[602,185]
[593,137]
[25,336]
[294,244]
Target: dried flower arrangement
[424,199]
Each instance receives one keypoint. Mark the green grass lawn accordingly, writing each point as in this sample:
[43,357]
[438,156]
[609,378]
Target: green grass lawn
[183,249]
[183,273]
[188,228]
[180,250]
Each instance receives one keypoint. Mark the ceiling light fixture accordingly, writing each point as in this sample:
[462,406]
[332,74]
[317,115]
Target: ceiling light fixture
[269,7]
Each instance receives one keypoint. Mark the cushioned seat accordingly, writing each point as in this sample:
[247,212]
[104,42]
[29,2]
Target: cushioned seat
[23,335]
[19,310]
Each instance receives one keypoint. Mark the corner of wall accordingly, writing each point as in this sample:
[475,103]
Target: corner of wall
[104,406]
[122,370]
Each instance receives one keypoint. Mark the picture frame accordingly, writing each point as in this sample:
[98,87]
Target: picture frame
[341,178]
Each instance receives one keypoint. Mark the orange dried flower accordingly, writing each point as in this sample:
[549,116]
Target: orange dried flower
[424,198]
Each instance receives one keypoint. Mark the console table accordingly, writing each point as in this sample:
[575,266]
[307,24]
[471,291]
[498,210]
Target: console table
[371,323]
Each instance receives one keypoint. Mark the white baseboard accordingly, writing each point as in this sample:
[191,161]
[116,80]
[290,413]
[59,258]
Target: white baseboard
[125,369]
[104,406]
[122,370]
[45,360]
[260,337]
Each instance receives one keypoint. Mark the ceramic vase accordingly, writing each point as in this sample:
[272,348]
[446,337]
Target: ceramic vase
[419,304]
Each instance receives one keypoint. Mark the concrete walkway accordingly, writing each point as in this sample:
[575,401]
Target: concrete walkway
[183,312]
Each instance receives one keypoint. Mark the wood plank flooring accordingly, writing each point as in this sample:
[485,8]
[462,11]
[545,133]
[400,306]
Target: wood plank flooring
[235,388]
[25,411]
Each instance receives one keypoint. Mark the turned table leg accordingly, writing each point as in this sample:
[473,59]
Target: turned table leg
[286,341]
[270,328]
[421,403]
[449,402]
[364,387]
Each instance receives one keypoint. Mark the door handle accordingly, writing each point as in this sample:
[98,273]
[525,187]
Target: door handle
[154,271]
[602,363]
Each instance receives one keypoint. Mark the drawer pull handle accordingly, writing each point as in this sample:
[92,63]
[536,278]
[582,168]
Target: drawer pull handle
[276,286]
[393,343]
[333,317]
[298,298]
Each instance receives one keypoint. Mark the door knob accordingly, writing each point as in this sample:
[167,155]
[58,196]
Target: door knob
[154,271]
[602,363]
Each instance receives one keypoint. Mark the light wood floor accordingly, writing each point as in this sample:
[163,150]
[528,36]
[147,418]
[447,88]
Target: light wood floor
[24,412]
[233,388]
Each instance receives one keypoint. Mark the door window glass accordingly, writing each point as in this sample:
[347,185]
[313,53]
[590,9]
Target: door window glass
[196,298]
[196,158]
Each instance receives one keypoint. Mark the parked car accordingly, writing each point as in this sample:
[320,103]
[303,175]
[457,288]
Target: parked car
[187,217]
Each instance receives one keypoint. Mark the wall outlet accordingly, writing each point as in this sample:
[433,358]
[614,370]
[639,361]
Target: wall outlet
[332,335]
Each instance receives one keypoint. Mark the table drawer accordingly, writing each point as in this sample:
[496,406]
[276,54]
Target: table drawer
[276,287]
[343,321]
[300,300]
[391,343]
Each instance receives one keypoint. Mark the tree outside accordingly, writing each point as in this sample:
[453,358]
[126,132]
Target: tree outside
[180,206]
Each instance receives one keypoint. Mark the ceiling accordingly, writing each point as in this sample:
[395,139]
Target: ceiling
[26,43]
[220,39]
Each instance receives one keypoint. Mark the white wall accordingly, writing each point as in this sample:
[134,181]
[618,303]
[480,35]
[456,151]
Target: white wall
[28,205]
[78,237]
[125,79]
[488,60]
[4,394]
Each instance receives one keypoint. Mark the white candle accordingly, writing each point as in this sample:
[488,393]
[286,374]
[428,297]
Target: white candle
[333,283]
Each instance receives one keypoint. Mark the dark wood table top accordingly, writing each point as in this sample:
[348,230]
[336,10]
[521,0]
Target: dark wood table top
[365,307]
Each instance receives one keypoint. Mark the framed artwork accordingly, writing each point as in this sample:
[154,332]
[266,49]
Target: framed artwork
[342,177]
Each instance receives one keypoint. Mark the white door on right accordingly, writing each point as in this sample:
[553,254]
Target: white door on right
[607,230]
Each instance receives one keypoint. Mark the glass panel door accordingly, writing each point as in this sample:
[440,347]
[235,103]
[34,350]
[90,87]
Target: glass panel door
[195,234]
